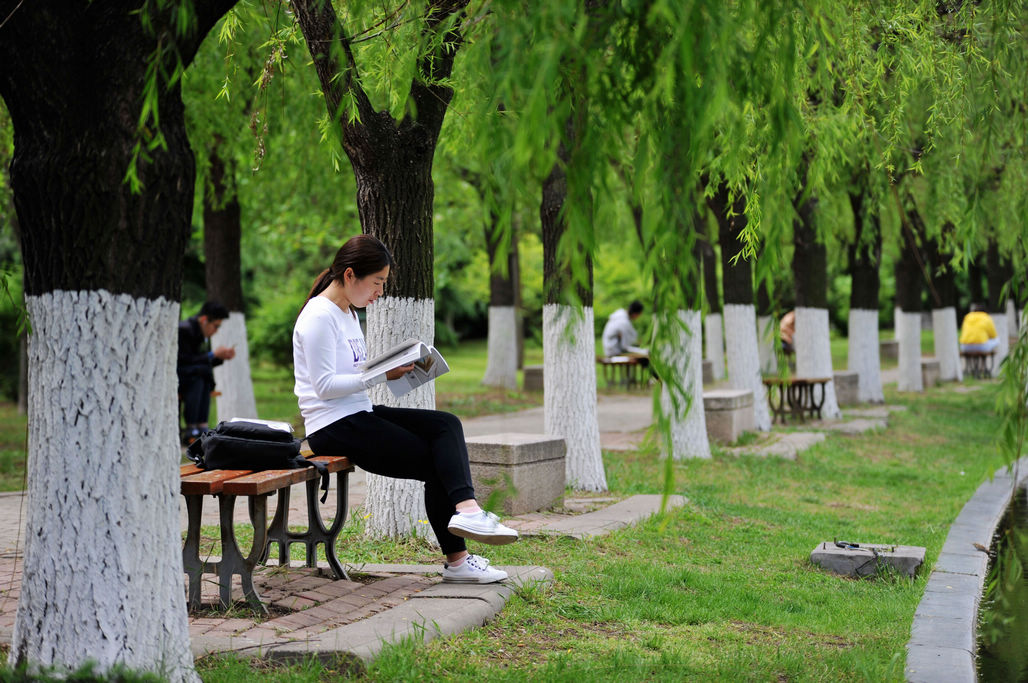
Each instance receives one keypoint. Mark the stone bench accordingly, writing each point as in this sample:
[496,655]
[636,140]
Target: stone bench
[527,469]
[708,372]
[533,378]
[931,372]
[847,387]
[729,413]
[889,348]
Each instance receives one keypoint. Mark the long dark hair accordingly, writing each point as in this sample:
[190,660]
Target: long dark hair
[364,253]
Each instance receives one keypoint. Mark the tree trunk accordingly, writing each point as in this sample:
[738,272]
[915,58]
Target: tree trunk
[811,339]
[997,276]
[686,436]
[713,324]
[392,164]
[865,257]
[569,351]
[102,574]
[502,362]
[23,374]
[767,331]
[740,313]
[944,313]
[222,235]
[909,279]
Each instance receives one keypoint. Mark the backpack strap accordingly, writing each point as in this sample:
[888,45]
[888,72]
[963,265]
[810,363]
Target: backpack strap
[300,461]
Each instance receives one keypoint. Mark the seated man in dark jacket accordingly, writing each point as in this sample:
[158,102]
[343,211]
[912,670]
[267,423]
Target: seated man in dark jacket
[196,364]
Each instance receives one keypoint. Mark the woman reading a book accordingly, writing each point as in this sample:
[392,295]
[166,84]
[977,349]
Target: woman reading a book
[404,443]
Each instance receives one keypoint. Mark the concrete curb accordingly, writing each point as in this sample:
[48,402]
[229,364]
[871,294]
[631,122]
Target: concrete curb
[440,610]
[943,636]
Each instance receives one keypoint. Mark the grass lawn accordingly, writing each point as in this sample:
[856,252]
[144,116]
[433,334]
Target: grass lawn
[721,589]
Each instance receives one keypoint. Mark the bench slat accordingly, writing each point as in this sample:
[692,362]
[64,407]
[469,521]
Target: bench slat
[334,463]
[209,483]
[186,470]
[266,481]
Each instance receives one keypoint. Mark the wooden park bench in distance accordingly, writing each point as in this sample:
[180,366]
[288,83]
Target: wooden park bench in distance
[978,364]
[226,486]
[625,371]
[796,397]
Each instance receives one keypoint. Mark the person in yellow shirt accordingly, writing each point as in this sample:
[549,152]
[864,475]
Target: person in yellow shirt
[978,333]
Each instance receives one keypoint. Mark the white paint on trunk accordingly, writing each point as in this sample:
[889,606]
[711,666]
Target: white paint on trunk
[569,392]
[232,378]
[908,330]
[396,507]
[766,339]
[1011,315]
[102,574]
[501,368]
[864,355]
[688,423]
[744,359]
[1003,348]
[895,322]
[947,348]
[814,354]
[713,333]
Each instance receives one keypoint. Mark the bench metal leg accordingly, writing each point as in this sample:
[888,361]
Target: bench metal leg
[316,531]
[194,567]
[232,560]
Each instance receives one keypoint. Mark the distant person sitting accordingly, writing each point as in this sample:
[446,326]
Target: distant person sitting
[619,335]
[786,330]
[978,332]
[196,364]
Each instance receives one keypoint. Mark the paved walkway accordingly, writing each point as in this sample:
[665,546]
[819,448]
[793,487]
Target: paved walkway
[311,613]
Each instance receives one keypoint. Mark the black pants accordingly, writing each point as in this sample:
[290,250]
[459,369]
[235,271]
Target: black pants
[408,443]
[195,384]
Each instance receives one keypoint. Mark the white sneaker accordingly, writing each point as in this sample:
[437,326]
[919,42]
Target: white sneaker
[482,526]
[474,569]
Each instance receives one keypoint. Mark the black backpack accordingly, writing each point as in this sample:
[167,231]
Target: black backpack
[242,445]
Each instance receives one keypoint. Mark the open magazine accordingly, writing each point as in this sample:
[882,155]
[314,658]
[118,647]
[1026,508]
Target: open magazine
[428,364]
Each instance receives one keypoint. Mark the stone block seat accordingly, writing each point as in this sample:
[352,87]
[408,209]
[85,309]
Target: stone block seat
[729,413]
[526,469]
[847,387]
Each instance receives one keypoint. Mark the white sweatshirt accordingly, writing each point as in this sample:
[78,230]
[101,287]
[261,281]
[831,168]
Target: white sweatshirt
[328,348]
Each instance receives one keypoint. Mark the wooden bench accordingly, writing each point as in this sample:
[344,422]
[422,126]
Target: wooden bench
[625,371]
[795,397]
[978,364]
[227,485]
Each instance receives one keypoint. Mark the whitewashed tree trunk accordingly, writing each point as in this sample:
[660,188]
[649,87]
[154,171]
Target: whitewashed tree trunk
[896,311]
[814,354]
[744,359]
[569,392]
[1012,316]
[766,344]
[501,368]
[947,348]
[396,507]
[864,355]
[713,333]
[232,377]
[688,429]
[908,328]
[1003,348]
[102,572]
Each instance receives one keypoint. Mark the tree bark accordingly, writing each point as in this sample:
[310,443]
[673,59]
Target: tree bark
[102,572]
[222,237]
[502,362]
[910,273]
[997,276]
[865,257]
[569,352]
[392,165]
[812,340]
[740,314]
[944,312]
[713,324]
